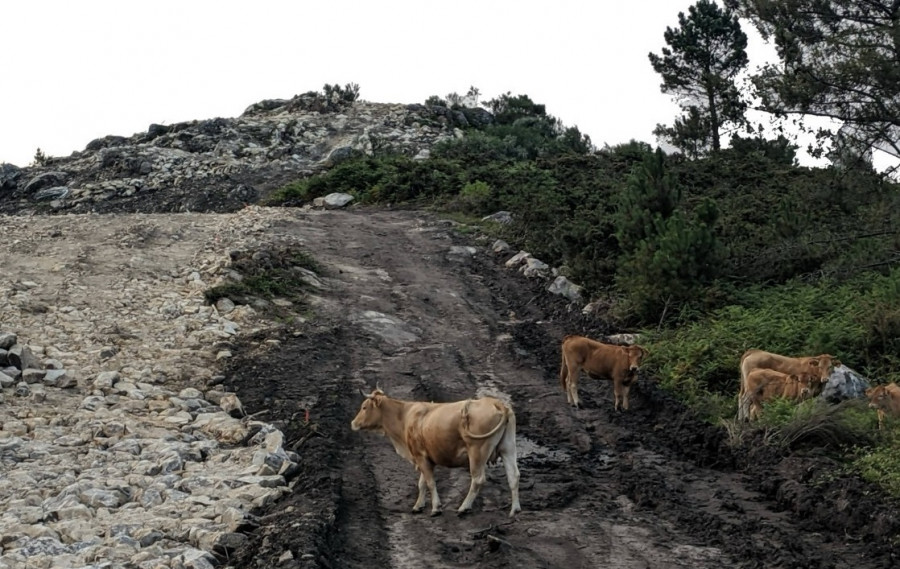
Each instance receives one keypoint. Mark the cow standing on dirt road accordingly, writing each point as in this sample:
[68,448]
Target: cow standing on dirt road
[463,433]
[600,361]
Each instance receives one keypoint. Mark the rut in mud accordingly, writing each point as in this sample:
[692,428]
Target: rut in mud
[651,487]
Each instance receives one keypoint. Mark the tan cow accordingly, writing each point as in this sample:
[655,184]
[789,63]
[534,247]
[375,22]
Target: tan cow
[600,361]
[767,384]
[818,367]
[886,400]
[463,433]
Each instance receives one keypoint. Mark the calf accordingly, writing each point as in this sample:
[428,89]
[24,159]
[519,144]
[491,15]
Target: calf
[886,400]
[767,384]
[463,433]
[818,368]
[600,361]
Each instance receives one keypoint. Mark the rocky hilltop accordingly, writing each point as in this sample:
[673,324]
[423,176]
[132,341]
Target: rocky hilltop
[221,164]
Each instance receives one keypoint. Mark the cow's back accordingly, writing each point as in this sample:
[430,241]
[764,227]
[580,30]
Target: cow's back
[439,429]
[759,359]
[598,359]
[766,383]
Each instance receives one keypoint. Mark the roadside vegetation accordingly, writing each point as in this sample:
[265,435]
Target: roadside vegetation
[269,281]
[725,245]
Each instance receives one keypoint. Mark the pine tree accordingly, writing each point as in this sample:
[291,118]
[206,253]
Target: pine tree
[699,67]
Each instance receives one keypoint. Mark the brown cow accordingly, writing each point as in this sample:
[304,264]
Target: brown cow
[767,384]
[886,400]
[463,433]
[819,367]
[600,361]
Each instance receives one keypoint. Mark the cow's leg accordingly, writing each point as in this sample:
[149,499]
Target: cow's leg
[478,457]
[880,419]
[754,411]
[508,454]
[617,393]
[563,374]
[572,382]
[420,501]
[625,389]
[427,469]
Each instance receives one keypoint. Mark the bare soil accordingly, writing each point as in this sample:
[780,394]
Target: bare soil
[653,487]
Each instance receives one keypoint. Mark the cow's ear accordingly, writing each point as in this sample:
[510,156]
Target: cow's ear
[814,362]
[836,362]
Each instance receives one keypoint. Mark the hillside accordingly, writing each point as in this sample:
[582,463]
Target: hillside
[180,368]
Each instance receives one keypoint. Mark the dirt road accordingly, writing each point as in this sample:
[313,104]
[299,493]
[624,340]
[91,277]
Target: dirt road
[649,488]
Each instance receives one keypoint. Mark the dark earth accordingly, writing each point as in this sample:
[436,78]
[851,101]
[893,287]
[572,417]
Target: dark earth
[652,487]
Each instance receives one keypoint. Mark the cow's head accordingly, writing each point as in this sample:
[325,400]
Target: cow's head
[806,383]
[823,366]
[369,416]
[636,355]
[878,397]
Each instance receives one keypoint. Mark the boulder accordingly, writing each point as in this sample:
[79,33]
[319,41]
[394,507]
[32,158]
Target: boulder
[564,287]
[844,383]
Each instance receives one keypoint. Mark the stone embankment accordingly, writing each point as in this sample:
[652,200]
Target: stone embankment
[118,446]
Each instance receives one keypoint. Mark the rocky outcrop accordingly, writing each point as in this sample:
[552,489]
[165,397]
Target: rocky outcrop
[220,164]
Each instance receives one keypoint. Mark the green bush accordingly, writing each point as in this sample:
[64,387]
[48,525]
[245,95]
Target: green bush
[473,197]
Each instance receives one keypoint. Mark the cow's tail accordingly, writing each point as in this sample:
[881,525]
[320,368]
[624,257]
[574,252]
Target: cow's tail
[504,419]
[743,395]
[563,368]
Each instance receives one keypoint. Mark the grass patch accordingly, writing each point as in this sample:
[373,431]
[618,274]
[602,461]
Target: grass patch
[822,425]
[881,464]
[280,273]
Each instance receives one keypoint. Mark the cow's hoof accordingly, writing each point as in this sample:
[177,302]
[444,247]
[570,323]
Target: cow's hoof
[417,510]
[463,513]
[436,513]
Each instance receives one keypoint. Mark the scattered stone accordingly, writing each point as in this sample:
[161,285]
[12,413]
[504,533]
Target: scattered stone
[22,357]
[518,259]
[336,200]
[500,246]
[224,305]
[624,339]
[564,287]
[230,403]
[458,252]
[503,217]
[535,268]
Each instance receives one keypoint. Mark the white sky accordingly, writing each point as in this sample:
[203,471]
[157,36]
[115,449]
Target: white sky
[74,71]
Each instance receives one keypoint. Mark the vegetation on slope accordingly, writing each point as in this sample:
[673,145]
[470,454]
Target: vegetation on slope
[709,256]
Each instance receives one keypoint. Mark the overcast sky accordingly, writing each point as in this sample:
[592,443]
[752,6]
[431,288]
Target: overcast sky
[74,71]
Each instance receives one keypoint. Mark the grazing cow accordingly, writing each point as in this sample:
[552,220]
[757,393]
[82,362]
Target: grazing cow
[463,433]
[818,367]
[767,384]
[600,361]
[886,400]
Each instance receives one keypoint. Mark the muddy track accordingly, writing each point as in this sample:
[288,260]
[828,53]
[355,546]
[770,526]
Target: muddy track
[653,487]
